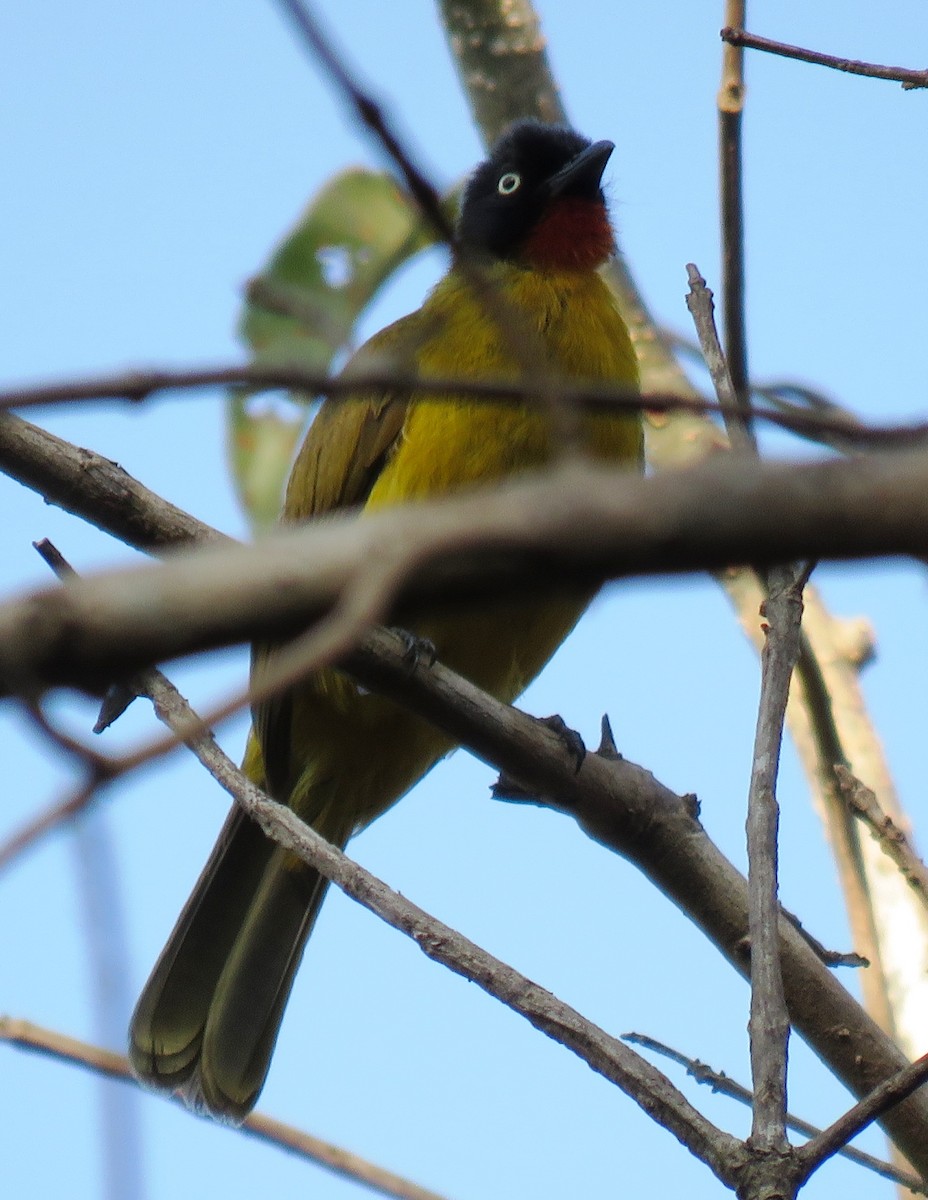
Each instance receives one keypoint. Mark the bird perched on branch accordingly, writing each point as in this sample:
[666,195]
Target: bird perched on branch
[533,231]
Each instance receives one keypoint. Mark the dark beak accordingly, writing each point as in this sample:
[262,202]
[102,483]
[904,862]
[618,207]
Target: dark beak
[582,174]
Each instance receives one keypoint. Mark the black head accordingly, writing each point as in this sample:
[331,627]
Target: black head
[538,199]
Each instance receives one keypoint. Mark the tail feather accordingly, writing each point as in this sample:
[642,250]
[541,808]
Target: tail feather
[167,1026]
[207,1020]
[251,994]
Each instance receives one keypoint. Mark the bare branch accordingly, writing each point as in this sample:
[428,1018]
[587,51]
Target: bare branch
[811,1156]
[814,418]
[625,808]
[571,527]
[769,1024]
[863,802]
[91,486]
[372,116]
[700,303]
[730,109]
[605,1054]
[906,76]
[499,51]
[719,1082]
[27,1036]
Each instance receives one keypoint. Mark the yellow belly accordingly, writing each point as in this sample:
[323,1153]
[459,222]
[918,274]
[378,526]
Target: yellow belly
[358,752]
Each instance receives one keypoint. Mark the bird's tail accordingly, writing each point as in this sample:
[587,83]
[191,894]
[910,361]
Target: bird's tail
[207,1020]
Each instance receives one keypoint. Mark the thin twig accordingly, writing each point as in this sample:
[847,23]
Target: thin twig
[864,804]
[723,1084]
[769,1020]
[138,386]
[373,117]
[811,1156]
[519,337]
[34,830]
[751,41]
[730,109]
[599,1050]
[769,1023]
[27,1036]
[103,912]
[700,303]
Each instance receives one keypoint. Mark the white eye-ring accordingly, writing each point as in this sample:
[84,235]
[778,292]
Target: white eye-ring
[509,183]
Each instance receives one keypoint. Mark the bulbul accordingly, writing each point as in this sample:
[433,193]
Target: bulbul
[535,227]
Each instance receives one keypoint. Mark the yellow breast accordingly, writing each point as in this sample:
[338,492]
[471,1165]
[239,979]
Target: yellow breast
[450,443]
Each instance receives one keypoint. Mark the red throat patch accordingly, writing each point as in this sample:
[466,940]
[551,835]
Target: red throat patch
[572,235]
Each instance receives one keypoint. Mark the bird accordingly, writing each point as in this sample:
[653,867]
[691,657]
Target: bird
[534,224]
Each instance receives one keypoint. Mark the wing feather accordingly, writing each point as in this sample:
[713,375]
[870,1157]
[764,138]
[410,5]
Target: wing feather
[343,453]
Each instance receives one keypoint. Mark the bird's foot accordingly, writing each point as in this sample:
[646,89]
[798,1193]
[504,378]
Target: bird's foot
[507,788]
[569,738]
[417,651]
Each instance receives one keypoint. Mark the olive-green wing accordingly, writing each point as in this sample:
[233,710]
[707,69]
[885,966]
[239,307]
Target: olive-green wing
[353,436]
[345,449]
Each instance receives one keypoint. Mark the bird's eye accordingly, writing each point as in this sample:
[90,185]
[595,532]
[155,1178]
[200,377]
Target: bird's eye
[509,183]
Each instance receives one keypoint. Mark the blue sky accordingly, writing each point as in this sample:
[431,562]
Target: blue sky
[153,156]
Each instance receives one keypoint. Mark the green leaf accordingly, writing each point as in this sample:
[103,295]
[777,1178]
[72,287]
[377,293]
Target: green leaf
[301,311]
[262,442]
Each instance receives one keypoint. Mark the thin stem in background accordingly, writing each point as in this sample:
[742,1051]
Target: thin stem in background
[864,804]
[113,1066]
[103,913]
[909,78]
[519,338]
[730,109]
[817,419]
[817,1151]
[700,302]
[724,1085]
[769,1023]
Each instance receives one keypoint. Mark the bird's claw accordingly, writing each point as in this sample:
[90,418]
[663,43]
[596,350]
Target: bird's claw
[571,740]
[417,651]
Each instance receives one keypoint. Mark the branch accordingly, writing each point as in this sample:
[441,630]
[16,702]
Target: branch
[907,77]
[625,808]
[730,104]
[137,386]
[499,51]
[864,804]
[603,1053]
[769,1023]
[734,405]
[27,1036]
[91,486]
[811,1156]
[372,116]
[556,531]
[719,1082]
